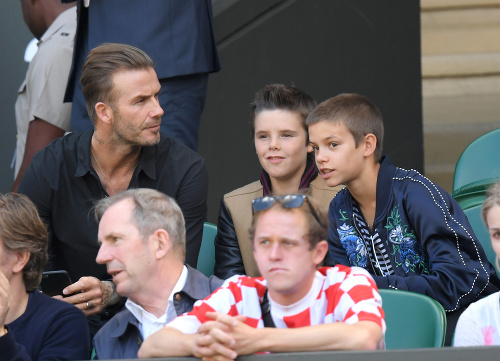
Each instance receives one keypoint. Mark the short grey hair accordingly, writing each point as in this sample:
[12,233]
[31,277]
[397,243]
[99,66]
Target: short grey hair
[153,210]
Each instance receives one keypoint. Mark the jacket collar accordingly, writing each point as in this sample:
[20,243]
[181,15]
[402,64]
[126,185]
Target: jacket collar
[63,19]
[125,318]
[384,184]
[83,163]
[310,173]
[193,288]
[147,160]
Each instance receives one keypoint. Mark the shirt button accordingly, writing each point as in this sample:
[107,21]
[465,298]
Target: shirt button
[178,297]
[139,341]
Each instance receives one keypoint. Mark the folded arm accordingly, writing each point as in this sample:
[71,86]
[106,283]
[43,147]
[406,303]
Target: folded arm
[228,337]
[234,333]
[179,344]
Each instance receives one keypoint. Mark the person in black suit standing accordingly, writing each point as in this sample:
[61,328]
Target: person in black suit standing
[177,34]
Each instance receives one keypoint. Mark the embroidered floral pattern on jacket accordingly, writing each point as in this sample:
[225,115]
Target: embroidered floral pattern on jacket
[404,242]
[351,241]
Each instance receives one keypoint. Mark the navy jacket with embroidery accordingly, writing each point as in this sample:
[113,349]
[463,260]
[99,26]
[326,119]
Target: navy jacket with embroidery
[429,241]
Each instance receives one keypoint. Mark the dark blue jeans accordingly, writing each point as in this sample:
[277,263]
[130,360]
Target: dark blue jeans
[183,99]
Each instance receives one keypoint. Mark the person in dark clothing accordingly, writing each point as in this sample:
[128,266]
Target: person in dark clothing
[405,230]
[125,150]
[33,326]
[177,34]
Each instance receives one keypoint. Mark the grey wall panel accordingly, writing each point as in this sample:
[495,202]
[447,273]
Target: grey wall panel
[14,37]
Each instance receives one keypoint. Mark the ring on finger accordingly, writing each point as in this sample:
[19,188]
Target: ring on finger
[90,305]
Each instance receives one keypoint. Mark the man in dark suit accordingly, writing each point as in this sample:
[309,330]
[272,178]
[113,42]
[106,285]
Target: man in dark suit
[177,34]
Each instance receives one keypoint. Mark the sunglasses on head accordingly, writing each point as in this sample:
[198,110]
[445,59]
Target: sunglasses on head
[287,201]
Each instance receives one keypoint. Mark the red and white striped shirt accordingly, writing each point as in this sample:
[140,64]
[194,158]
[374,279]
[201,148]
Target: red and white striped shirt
[338,294]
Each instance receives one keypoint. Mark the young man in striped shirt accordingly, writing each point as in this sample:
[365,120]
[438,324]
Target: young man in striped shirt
[311,308]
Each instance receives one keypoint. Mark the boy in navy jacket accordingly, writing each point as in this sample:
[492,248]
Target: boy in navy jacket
[406,231]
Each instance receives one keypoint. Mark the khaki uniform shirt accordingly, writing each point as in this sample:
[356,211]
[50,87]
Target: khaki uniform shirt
[42,92]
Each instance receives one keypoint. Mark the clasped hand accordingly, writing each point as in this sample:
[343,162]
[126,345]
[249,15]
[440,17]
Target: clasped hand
[224,338]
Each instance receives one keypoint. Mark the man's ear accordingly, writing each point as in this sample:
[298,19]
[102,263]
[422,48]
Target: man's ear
[104,112]
[161,243]
[370,144]
[319,252]
[22,257]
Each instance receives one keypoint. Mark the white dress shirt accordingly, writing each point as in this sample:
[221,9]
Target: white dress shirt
[149,323]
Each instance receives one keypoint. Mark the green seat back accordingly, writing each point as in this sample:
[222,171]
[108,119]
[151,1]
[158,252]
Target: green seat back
[413,320]
[479,161]
[477,169]
[473,194]
[206,258]
[471,199]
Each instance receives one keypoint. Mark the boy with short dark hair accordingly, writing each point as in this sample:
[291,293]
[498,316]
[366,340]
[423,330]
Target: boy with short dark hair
[279,132]
[405,230]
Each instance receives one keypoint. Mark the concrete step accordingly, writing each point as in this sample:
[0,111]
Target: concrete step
[462,86]
[427,5]
[460,65]
[463,30]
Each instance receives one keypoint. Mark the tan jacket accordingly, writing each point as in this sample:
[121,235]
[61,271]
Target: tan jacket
[238,202]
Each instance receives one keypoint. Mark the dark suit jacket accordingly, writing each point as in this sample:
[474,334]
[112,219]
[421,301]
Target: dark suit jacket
[176,34]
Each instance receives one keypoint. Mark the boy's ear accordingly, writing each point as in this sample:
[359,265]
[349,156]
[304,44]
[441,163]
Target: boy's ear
[370,144]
